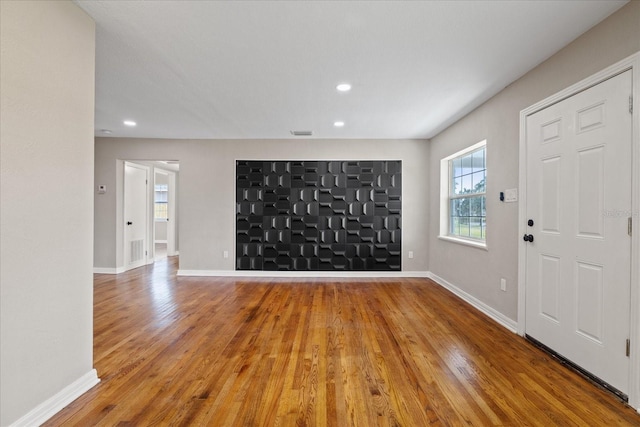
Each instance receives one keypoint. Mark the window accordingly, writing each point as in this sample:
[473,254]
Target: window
[161,201]
[463,195]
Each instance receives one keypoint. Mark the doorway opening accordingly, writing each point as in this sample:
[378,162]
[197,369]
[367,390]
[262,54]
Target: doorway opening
[164,209]
[150,214]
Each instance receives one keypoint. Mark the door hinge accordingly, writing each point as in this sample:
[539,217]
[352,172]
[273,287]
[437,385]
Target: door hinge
[631,104]
[630,225]
[628,352]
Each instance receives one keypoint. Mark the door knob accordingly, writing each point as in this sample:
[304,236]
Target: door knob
[129,223]
[528,238]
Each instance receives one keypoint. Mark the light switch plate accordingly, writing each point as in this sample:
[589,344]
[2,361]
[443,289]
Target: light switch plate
[511,195]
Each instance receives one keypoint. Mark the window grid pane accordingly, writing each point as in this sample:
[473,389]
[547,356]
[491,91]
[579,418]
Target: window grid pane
[161,198]
[468,217]
[160,210]
[467,214]
[468,173]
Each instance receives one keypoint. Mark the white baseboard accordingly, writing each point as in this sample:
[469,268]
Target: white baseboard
[159,241]
[102,270]
[503,320]
[301,274]
[118,270]
[47,409]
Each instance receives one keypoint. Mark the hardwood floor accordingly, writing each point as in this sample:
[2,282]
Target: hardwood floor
[224,352]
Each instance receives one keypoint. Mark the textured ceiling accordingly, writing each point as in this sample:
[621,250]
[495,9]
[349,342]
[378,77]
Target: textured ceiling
[259,69]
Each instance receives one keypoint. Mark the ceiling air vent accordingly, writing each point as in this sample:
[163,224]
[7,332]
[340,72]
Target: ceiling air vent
[301,132]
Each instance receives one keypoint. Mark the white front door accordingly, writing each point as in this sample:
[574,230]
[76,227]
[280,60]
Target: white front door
[135,215]
[578,264]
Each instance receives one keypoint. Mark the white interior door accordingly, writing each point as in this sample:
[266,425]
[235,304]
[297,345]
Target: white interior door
[578,265]
[135,215]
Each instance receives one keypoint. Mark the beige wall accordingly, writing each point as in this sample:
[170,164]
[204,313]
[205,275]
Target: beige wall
[207,191]
[497,121]
[46,201]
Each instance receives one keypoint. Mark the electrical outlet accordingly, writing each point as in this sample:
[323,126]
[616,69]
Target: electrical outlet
[225,254]
[503,285]
[410,254]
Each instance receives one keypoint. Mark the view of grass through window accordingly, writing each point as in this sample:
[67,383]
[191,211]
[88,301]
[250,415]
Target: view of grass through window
[467,199]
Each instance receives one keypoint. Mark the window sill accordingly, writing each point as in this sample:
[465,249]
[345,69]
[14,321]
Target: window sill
[466,242]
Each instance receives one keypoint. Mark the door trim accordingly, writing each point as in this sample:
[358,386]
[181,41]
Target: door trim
[630,63]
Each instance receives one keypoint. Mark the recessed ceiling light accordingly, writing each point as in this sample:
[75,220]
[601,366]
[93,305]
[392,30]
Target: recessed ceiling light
[338,124]
[107,131]
[343,87]
[129,123]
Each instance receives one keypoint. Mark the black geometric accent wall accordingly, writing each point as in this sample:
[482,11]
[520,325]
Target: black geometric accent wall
[318,215]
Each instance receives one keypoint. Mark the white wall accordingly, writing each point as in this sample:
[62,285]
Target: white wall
[497,121]
[46,202]
[207,190]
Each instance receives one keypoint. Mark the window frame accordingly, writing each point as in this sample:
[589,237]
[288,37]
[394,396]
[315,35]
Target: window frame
[156,202]
[447,195]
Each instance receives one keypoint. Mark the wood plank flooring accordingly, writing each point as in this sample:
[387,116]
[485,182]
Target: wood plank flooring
[404,352]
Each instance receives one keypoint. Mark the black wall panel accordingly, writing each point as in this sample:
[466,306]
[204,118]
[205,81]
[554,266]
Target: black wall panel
[318,215]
